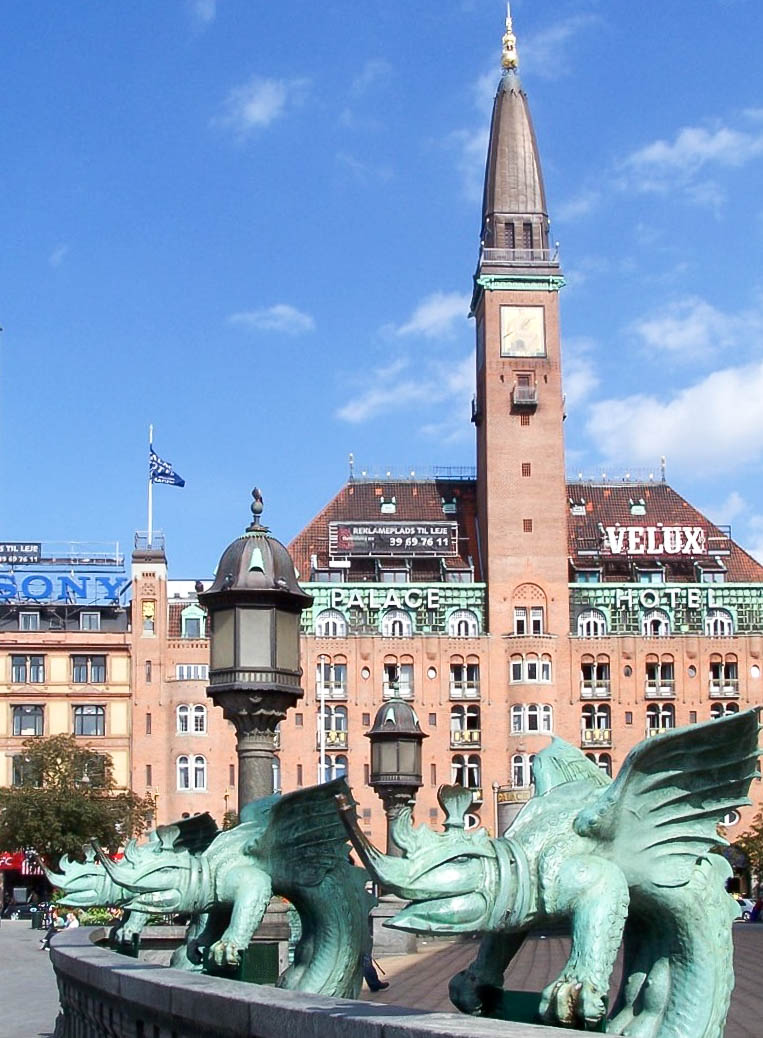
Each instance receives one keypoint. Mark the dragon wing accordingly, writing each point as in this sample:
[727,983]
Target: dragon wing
[661,812]
[305,836]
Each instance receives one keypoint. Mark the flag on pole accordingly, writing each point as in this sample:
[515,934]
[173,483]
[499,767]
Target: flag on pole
[160,471]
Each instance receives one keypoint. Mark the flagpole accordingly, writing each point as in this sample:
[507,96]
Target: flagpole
[150,488]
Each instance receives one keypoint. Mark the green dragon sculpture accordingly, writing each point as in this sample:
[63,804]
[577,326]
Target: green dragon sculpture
[626,859]
[294,846]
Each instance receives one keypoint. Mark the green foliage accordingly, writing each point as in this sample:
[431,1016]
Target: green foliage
[230,820]
[751,844]
[68,797]
[96,917]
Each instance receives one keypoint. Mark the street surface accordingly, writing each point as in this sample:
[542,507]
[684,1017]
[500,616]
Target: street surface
[29,999]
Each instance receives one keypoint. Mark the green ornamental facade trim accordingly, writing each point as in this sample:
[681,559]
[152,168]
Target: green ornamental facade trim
[687,605]
[362,605]
[521,282]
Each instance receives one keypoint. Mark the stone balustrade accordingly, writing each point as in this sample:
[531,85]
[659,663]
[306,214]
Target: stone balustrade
[106,995]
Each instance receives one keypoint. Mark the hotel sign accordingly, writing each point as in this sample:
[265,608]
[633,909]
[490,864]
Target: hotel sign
[655,540]
[417,539]
[14,553]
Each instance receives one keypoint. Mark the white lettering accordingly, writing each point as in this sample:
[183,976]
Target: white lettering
[433,598]
[711,600]
[652,547]
[623,596]
[413,598]
[356,599]
[635,540]
[374,599]
[695,540]
[336,597]
[615,537]
[392,600]
[693,598]
[672,594]
[649,598]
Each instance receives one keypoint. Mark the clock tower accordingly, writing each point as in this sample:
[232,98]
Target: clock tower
[518,410]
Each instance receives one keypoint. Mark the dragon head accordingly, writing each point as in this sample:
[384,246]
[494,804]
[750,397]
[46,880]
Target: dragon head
[84,883]
[160,878]
[452,878]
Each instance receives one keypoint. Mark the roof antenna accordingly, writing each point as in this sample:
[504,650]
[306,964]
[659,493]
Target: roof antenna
[351,460]
[663,465]
[509,57]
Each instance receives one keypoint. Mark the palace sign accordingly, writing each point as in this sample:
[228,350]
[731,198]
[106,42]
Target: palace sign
[655,540]
[378,598]
[72,588]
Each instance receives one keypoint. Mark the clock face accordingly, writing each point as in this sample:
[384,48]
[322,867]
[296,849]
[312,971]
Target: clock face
[522,331]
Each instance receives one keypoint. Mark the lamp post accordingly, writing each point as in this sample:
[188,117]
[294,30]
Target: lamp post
[255,676]
[396,739]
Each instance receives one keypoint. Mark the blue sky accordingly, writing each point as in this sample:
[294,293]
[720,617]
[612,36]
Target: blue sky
[255,224]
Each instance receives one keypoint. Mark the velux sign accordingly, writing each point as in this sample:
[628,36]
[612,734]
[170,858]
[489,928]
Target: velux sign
[655,540]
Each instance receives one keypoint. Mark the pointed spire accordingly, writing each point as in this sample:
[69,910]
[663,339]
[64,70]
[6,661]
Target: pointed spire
[510,56]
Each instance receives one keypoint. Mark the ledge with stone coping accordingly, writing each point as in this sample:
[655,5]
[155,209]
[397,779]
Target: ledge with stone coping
[103,993]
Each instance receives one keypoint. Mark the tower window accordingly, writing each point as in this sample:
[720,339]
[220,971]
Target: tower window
[508,236]
[527,235]
[524,419]
[527,525]
[526,468]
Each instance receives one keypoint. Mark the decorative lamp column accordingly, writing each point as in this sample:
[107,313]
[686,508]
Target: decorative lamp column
[396,739]
[255,676]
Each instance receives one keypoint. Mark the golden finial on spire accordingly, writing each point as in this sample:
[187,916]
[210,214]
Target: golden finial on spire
[510,57]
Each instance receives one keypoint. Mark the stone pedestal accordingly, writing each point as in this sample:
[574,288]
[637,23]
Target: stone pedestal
[386,941]
[275,927]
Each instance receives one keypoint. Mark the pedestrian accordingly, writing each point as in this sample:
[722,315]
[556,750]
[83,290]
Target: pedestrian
[71,919]
[370,975]
[756,910]
[55,923]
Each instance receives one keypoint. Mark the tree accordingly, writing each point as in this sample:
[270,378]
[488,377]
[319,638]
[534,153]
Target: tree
[66,797]
[751,845]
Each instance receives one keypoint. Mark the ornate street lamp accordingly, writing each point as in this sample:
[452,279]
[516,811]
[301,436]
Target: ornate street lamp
[255,676]
[396,739]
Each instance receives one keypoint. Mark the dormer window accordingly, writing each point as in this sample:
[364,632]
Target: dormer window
[327,576]
[650,576]
[388,507]
[577,507]
[587,576]
[393,571]
[638,507]
[448,507]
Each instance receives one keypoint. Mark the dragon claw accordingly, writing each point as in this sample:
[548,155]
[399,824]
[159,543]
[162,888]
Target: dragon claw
[225,952]
[571,1002]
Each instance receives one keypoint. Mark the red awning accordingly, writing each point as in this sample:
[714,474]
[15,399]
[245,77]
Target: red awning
[19,862]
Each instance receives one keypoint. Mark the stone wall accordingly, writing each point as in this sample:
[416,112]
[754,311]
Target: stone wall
[105,994]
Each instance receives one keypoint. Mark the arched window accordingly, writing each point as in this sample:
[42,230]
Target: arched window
[27,720]
[330,623]
[199,772]
[723,710]
[718,623]
[592,623]
[660,676]
[655,624]
[660,716]
[466,771]
[183,714]
[330,678]
[464,725]
[596,717]
[335,767]
[463,623]
[724,676]
[193,621]
[521,770]
[199,719]
[531,717]
[183,773]
[603,761]
[396,623]
[530,668]
[90,720]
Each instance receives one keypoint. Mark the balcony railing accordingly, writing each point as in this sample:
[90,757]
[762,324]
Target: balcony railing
[464,690]
[724,688]
[596,736]
[658,730]
[525,396]
[394,690]
[598,689]
[335,740]
[662,688]
[519,257]
[331,690]
[464,737]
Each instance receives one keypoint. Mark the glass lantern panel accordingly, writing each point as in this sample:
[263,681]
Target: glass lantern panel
[287,641]
[387,757]
[408,762]
[222,640]
[254,637]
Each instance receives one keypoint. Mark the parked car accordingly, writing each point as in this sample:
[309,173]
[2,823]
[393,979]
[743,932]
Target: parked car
[746,904]
[21,910]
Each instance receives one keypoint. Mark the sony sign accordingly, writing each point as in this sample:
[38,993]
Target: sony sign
[76,589]
[378,598]
[655,540]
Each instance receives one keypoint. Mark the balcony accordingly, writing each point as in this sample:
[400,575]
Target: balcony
[395,690]
[596,737]
[724,688]
[331,690]
[464,690]
[519,257]
[335,740]
[525,397]
[662,688]
[465,737]
[476,792]
[598,689]
[659,730]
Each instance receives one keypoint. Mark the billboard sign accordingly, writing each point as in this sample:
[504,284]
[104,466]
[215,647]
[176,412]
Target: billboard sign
[390,539]
[655,540]
[14,553]
[73,588]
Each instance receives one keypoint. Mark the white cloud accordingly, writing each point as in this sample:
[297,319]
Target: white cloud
[365,171]
[714,425]
[580,373]
[395,386]
[725,513]
[546,52]
[278,318]
[692,328]
[204,11]
[472,148]
[374,71]
[259,102]
[58,255]
[437,316]
[580,205]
